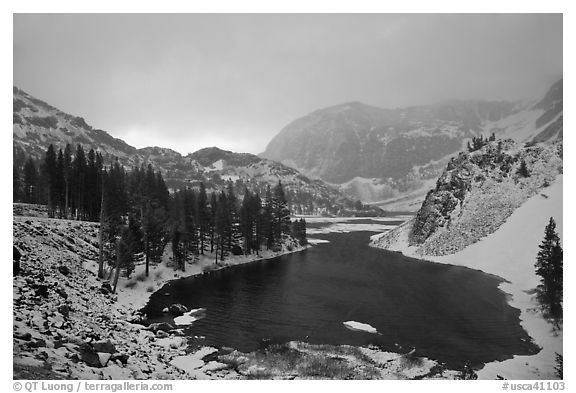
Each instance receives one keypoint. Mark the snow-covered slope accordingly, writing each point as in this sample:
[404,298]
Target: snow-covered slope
[510,253]
[470,219]
[540,122]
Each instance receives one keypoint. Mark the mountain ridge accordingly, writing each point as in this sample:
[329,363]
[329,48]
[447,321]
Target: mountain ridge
[37,124]
[397,150]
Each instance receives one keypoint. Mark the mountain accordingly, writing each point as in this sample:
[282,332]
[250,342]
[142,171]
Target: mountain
[380,154]
[37,124]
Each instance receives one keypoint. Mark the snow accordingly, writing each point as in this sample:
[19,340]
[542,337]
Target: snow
[189,317]
[353,325]
[519,126]
[192,363]
[314,241]
[517,240]
[218,165]
[344,227]
[510,252]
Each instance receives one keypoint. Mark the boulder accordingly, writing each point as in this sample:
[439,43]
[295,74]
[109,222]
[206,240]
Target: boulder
[106,288]
[88,355]
[104,346]
[42,290]
[177,309]
[64,309]
[104,358]
[122,357]
[64,270]
[154,327]
[62,292]
[23,336]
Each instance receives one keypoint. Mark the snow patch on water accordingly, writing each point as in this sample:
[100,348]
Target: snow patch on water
[353,325]
[189,317]
[317,241]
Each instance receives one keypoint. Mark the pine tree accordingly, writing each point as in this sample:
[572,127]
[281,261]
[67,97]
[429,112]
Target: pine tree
[67,172]
[203,214]
[268,219]
[281,213]
[222,226]
[50,169]
[523,169]
[549,264]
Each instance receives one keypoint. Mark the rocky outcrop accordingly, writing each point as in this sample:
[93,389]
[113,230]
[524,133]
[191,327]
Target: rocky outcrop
[476,193]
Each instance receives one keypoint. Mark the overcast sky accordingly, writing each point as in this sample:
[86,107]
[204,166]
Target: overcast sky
[234,81]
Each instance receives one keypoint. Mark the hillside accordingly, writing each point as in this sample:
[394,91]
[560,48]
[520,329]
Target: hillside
[378,155]
[484,215]
[37,124]
[476,193]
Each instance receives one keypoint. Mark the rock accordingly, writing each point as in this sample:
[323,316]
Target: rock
[88,355]
[62,292]
[104,346]
[106,288]
[38,343]
[42,356]
[165,309]
[177,309]
[122,357]
[42,290]
[104,358]
[64,270]
[57,321]
[154,327]
[162,334]
[237,250]
[64,309]
[23,336]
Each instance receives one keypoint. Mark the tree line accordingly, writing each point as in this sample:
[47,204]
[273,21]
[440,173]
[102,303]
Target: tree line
[139,217]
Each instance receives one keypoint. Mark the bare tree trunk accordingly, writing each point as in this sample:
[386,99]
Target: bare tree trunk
[117,273]
[100,235]
[147,251]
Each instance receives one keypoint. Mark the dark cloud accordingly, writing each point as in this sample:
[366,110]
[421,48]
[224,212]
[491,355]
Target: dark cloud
[190,81]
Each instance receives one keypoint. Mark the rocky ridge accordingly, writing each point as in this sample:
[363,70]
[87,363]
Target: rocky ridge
[476,193]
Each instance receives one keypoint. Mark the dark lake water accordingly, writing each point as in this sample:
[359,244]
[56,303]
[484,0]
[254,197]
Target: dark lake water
[448,313]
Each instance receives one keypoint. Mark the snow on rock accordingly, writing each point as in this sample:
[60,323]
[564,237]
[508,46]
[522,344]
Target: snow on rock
[191,363]
[353,325]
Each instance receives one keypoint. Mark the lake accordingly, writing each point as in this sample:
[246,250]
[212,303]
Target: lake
[447,313]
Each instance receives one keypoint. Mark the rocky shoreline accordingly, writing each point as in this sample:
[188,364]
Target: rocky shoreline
[68,325]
